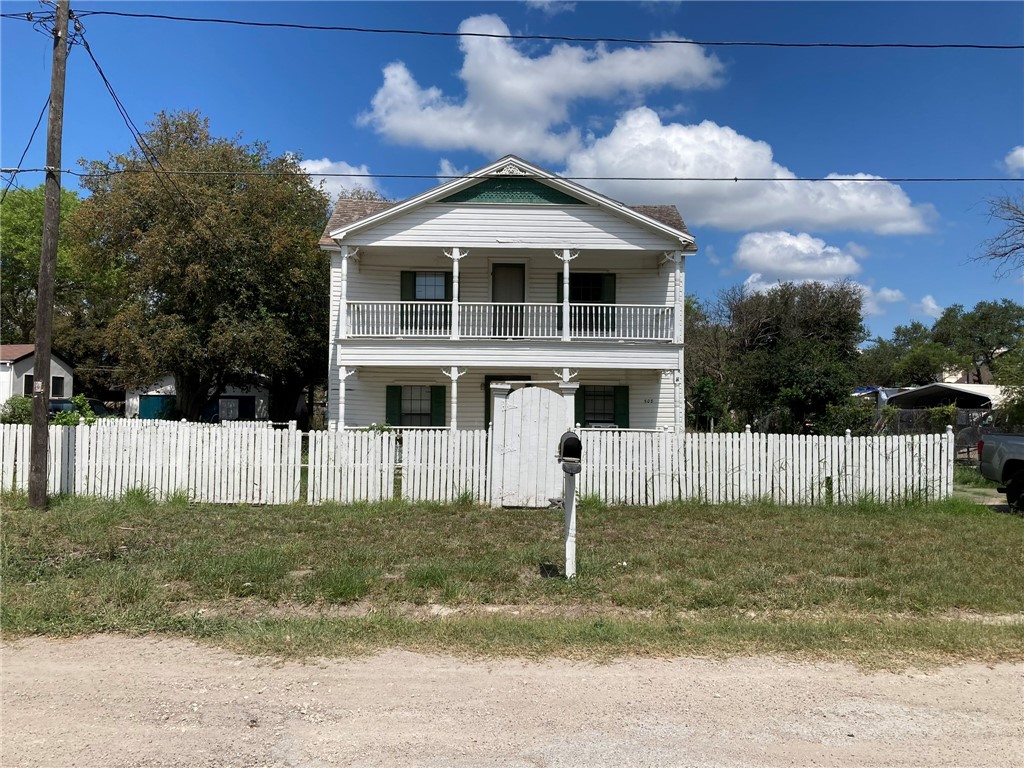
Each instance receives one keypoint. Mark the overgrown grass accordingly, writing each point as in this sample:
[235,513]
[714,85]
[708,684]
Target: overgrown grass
[856,581]
[968,475]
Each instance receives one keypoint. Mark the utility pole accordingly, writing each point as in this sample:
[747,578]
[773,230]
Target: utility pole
[48,264]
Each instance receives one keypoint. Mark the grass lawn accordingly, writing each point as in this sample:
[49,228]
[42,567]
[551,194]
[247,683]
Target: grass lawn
[871,584]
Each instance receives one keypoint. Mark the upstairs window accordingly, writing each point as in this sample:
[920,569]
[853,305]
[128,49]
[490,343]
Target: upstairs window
[589,288]
[426,286]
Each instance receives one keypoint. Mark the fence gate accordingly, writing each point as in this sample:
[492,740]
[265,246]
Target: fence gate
[527,425]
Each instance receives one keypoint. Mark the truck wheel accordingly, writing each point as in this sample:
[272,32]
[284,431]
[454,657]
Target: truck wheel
[1015,491]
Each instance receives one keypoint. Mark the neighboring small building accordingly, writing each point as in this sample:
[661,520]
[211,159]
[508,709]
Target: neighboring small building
[17,372]
[236,404]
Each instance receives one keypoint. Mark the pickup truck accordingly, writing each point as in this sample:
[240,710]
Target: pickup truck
[1001,458]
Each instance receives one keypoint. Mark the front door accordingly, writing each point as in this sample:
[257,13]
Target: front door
[508,286]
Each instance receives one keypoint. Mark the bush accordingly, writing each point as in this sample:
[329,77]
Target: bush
[857,414]
[17,410]
[72,418]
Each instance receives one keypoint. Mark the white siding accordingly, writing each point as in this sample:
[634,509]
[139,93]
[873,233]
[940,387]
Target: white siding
[365,396]
[499,226]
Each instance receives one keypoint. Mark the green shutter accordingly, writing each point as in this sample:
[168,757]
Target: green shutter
[621,406]
[559,288]
[581,412]
[408,286]
[448,292]
[438,396]
[393,409]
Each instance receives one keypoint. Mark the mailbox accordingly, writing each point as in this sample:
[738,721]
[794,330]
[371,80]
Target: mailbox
[570,453]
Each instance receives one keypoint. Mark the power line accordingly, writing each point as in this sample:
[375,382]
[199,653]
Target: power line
[446,177]
[544,38]
[14,171]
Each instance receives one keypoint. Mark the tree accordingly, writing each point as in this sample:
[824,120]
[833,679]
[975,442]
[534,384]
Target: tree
[981,335]
[21,232]
[1006,249]
[793,351]
[218,270]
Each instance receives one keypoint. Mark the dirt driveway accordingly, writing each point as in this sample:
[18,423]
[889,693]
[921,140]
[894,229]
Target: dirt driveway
[114,701]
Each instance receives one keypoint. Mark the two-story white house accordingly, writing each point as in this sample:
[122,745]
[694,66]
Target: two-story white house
[509,273]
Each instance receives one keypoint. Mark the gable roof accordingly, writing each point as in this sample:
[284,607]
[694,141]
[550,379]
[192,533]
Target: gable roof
[12,353]
[965,395]
[353,215]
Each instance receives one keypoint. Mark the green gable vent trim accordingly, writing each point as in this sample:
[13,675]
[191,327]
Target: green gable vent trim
[512,191]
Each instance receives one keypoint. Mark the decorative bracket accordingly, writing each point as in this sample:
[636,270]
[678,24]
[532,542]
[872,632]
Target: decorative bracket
[462,254]
[561,374]
[458,373]
[565,255]
[511,169]
[344,373]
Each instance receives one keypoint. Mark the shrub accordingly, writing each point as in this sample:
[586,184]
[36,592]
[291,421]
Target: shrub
[71,418]
[17,410]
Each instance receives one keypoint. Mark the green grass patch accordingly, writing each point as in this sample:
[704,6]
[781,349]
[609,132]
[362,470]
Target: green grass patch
[686,578]
[969,476]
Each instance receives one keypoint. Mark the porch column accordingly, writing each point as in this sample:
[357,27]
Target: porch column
[566,256]
[456,255]
[343,373]
[346,254]
[568,390]
[454,374]
[679,336]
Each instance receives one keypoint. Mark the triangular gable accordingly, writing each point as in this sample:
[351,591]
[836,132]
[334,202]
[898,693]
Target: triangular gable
[512,190]
[514,168]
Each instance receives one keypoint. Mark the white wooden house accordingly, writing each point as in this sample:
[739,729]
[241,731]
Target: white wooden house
[509,273]
[17,372]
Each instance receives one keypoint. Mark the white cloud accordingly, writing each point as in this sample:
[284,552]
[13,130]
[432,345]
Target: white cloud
[785,256]
[518,103]
[446,170]
[1014,161]
[928,307]
[551,7]
[641,145]
[778,257]
[874,301]
[335,185]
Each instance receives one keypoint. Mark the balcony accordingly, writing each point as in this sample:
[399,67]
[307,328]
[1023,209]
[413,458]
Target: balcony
[474,320]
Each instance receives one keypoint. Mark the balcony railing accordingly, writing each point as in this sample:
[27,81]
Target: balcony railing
[434,319]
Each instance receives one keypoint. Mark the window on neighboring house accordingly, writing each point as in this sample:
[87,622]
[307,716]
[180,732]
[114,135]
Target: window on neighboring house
[602,406]
[56,386]
[29,379]
[426,286]
[416,406]
[589,288]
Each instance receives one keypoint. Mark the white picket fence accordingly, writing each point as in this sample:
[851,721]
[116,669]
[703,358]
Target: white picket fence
[264,466]
[205,462]
[351,465]
[638,468]
[440,465]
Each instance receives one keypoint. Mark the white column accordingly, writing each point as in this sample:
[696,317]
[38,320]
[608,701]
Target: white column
[343,301]
[569,502]
[454,374]
[679,334]
[568,390]
[456,255]
[566,256]
[343,373]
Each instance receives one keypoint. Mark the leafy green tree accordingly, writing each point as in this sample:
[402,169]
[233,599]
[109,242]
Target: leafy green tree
[1009,375]
[218,263]
[21,233]
[911,358]
[794,350]
[982,334]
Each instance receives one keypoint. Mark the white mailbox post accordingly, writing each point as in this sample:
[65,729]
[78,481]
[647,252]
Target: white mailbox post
[570,456]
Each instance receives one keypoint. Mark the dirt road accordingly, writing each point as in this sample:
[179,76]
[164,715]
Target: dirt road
[114,701]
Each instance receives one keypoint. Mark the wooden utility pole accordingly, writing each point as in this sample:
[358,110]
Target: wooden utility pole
[48,264]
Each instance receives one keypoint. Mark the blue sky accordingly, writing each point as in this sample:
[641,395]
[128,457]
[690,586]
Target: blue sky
[433,105]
